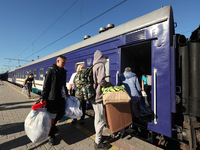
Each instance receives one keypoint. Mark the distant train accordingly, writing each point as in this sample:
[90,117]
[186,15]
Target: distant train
[147,43]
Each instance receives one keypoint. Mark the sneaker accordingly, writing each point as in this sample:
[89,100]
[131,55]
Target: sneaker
[105,138]
[102,145]
[51,141]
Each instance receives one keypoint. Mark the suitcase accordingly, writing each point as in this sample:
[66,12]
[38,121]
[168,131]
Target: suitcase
[118,116]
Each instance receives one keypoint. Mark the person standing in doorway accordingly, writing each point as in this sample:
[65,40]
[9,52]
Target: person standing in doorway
[144,82]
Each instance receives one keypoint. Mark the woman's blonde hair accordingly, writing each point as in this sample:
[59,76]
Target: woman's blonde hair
[80,67]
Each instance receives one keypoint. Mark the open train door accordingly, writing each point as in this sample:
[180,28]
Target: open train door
[163,82]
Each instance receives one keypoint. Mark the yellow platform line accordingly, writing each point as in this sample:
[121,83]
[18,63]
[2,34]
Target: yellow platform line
[88,133]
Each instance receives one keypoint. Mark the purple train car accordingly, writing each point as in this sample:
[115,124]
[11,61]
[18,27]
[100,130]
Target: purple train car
[146,43]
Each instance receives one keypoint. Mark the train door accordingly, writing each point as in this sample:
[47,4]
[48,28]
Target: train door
[138,57]
[155,61]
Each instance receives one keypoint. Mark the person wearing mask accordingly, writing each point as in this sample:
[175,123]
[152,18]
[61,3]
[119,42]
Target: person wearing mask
[28,82]
[72,90]
[99,82]
[54,93]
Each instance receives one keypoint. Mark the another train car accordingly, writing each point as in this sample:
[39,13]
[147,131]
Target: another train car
[146,43]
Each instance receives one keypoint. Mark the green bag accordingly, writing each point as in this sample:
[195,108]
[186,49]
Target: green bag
[83,83]
[34,90]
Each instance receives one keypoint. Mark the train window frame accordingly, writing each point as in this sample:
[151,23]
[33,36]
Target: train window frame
[79,63]
[26,74]
[35,73]
[41,76]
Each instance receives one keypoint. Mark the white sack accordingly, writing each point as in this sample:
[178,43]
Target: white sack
[72,107]
[37,125]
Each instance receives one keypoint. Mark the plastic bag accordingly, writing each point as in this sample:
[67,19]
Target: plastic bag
[24,90]
[144,93]
[37,125]
[72,109]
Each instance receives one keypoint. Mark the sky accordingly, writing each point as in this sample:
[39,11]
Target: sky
[32,29]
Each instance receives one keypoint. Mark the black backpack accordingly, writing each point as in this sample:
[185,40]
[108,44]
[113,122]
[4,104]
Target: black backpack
[83,83]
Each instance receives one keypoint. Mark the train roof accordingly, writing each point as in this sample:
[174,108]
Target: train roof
[149,19]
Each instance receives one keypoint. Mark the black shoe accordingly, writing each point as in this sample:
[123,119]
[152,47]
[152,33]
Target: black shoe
[102,145]
[121,136]
[51,141]
[105,138]
[73,121]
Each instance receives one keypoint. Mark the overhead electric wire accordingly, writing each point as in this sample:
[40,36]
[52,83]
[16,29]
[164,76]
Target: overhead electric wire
[185,16]
[174,2]
[77,28]
[49,26]
[188,14]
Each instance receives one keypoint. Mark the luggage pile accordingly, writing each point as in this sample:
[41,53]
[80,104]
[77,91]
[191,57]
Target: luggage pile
[39,121]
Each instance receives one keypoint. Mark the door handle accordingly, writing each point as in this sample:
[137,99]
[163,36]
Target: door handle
[155,94]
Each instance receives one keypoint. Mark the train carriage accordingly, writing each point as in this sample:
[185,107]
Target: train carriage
[146,43]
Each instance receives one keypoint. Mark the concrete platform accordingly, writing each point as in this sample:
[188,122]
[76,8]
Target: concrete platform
[14,108]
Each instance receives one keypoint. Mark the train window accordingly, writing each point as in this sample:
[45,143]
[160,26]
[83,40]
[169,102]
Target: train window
[79,63]
[26,74]
[23,74]
[29,72]
[41,74]
[107,66]
[34,73]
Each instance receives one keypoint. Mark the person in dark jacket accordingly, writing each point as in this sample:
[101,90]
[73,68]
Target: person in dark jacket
[28,82]
[54,92]
[99,82]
